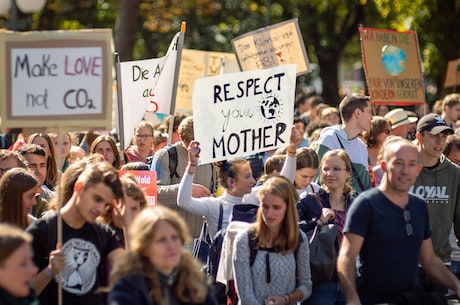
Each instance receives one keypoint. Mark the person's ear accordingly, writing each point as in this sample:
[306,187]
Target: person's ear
[78,186]
[383,165]
[230,182]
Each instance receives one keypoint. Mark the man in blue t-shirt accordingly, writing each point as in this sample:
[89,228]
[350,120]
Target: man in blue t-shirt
[389,229]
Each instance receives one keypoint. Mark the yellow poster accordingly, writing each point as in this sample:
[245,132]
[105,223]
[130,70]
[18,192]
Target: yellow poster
[275,45]
[391,62]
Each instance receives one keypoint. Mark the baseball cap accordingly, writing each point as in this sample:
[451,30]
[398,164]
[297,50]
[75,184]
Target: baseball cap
[434,124]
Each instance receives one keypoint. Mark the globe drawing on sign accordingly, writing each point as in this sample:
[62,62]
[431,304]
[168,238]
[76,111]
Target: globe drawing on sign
[270,108]
[394,60]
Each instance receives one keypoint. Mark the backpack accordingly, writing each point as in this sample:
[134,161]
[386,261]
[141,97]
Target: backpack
[172,152]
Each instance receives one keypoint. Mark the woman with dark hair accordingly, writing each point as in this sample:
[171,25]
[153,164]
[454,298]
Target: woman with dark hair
[306,169]
[106,146]
[328,205]
[379,131]
[158,269]
[16,267]
[45,141]
[18,188]
[279,271]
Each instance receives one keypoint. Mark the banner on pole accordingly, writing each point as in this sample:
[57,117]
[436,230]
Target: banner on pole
[147,86]
[147,181]
[56,79]
[238,114]
[391,61]
[275,45]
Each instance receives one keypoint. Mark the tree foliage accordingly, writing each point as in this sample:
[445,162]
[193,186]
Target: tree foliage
[144,28]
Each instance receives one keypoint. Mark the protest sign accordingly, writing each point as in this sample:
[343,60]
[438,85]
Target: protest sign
[453,73]
[147,181]
[391,62]
[275,45]
[147,85]
[196,64]
[238,114]
[56,79]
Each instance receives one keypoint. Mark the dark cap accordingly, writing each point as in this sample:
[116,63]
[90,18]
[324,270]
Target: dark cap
[434,124]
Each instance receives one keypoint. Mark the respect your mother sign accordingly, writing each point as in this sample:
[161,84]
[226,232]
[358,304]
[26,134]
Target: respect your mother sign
[239,114]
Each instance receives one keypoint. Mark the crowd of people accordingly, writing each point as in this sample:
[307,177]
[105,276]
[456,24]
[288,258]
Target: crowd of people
[388,178]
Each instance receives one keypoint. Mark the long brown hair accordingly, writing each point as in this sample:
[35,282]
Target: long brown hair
[191,286]
[288,238]
[13,184]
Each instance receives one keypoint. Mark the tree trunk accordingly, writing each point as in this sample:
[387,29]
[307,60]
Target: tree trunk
[126,28]
[329,75]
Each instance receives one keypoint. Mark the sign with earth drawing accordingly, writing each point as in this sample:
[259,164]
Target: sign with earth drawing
[239,114]
[392,66]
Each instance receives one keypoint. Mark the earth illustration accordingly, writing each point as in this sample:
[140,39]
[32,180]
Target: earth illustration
[394,60]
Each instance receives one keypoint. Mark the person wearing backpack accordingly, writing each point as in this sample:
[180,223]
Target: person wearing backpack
[234,175]
[271,258]
[328,206]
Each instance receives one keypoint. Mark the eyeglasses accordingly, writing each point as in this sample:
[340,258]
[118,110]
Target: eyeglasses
[143,136]
[409,229]
[334,170]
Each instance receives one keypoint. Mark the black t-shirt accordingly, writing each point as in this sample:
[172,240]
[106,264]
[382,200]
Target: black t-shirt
[85,250]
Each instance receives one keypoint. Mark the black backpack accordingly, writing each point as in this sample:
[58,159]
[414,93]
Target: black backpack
[172,152]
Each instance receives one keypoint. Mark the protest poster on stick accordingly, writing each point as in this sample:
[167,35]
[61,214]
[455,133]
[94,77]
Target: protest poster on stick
[147,86]
[147,181]
[239,114]
[271,46]
[392,66]
[56,78]
[452,74]
[196,64]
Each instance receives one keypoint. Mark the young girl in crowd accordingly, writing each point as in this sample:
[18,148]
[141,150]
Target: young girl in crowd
[44,140]
[328,205]
[18,188]
[306,170]
[158,269]
[106,146]
[279,272]
[235,176]
[16,267]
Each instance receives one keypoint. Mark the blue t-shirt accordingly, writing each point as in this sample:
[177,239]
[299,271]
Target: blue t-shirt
[390,252]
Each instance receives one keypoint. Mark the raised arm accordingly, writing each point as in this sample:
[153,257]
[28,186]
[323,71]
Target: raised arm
[289,166]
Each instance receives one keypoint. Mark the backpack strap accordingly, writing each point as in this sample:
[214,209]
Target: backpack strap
[172,152]
[221,216]
[353,169]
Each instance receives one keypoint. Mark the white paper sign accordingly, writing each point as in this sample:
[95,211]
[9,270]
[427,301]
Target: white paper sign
[239,114]
[57,81]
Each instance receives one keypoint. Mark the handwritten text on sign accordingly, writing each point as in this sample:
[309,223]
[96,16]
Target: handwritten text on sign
[239,114]
[279,44]
[392,66]
[57,81]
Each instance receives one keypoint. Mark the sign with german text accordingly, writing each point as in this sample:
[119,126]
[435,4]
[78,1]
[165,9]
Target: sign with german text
[275,45]
[239,114]
[56,78]
[391,62]
[147,181]
[196,64]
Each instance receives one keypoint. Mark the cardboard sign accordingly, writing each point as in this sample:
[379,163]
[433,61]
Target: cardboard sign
[391,62]
[56,78]
[196,64]
[275,45]
[238,114]
[453,73]
[147,180]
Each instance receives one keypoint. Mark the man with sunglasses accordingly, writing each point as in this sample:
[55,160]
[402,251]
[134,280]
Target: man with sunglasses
[389,228]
